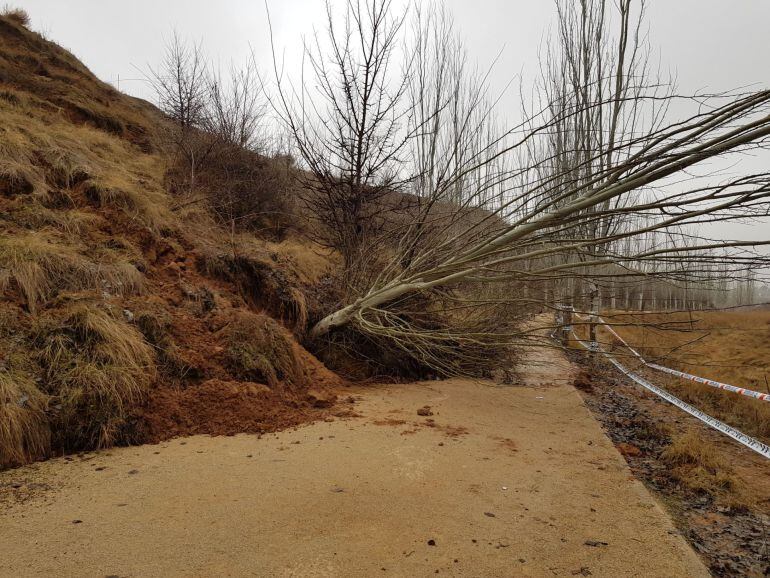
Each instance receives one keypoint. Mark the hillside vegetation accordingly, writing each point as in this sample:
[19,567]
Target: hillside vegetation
[129,313]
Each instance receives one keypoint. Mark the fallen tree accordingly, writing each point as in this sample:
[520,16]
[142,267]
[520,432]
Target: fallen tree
[559,204]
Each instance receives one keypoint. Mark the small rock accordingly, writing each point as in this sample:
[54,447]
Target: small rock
[132,472]
[77,521]
[489,514]
[424,411]
[431,542]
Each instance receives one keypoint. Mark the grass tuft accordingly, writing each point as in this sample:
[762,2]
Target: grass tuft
[25,435]
[96,366]
[259,349]
[40,268]
[698,466]
[16,15]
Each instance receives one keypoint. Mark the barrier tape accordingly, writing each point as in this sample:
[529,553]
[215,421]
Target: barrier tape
[710,382]
[623,341]
[718,384]
[740,437]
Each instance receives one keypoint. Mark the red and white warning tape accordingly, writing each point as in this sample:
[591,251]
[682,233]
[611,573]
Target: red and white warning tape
[718,384]
[710,382]
[740,437]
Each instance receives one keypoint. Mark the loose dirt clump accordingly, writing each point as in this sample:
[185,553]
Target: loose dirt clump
[583,381]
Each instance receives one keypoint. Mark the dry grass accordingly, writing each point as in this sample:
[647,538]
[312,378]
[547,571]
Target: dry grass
[96,366]
[71,222]
[24,431]
[699,467]
[728,346]
[17,15]
[39,268]
[259,349]
[311,261]
[53,160]
[87,207]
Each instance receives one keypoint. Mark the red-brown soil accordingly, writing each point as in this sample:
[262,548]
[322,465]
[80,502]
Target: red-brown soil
[217,407]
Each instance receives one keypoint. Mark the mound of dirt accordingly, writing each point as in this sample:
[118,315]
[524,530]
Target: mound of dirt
[217,407]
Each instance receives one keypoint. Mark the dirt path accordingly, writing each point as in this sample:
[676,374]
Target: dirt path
[505,481]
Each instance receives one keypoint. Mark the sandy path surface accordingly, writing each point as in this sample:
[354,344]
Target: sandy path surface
[506,481]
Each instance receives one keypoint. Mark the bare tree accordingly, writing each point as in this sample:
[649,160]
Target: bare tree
[347,122]
[181,85]
[542,231]
[235,107]
[599,89]
[181,82]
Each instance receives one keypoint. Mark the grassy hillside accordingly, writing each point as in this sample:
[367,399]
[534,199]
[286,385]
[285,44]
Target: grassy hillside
[126,312]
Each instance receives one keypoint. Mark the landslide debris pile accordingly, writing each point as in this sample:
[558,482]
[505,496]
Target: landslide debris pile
[127,315]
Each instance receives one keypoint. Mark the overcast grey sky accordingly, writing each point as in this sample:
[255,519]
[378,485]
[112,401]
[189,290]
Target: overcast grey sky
[708,44]
[716,44]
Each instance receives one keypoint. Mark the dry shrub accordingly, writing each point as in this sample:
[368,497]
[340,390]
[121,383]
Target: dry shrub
[95,367]
[245,191]
[16,15]
[25,435]
[697,465]
[259,349]
[41,268]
